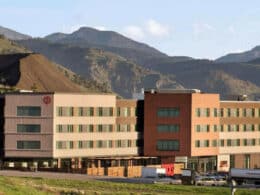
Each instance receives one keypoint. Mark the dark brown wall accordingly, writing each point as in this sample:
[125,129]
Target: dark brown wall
[151,104]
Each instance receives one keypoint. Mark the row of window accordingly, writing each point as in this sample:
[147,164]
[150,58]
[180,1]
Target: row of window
[168,145]
[228,128]
[88,144]
[168,128]
[168,112]
[28,111]
[69,128]
[227,112]
[227,143]
[91,111]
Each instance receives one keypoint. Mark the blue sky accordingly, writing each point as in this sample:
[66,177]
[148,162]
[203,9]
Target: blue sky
[196,28]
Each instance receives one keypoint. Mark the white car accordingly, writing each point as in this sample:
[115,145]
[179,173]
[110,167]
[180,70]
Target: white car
[167,180]
[210,181]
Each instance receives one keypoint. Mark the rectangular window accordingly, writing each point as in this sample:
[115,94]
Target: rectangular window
[80,144]
[70,111]
[168,112]
[28,128]
[244,112]
[222,143]
[71,144]
[197,143]
[207,112]
[80,111]
[221,112]
[237,112]
[27,145]
[247,161]
[28,111]
[198,114]
[228,112]
[168,128]
[197,128]
[59,128]
[89,111]
[229,142]
[69,128]
[237,142]
[214,143]
[168,145]
[80,128]
[215,112]
[59,111]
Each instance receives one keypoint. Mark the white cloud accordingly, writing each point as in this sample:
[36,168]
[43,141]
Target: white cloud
[134,32]
[199,28]
[156,29]
[101,28]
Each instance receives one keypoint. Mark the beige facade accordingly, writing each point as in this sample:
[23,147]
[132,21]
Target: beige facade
[69,126]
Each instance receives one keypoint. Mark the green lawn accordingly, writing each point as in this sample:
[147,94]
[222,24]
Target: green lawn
[35,186]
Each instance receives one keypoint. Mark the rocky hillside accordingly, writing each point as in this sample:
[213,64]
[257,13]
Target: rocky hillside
[9,47]
[240,57]
[106,68]
[35,72]
[13,35]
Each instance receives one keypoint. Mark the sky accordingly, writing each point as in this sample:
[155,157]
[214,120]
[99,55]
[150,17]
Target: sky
[195,28]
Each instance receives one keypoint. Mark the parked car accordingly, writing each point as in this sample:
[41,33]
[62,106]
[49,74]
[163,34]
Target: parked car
[210,181]
[167,180]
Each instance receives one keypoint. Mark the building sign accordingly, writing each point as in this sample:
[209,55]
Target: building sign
[46,99]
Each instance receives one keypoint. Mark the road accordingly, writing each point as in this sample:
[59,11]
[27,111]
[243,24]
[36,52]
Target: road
[73,176]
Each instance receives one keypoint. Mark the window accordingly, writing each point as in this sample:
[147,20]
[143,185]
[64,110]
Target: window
[222,142]
[80,111]
[247,161]
[28,128]
[105,111]
[237,142]
[89,111]
[215,112]
[197,128]
[229,142]
[168,128]
[207,112]
[59,128]
[168,112]
[197,143]
[244,112]
[232,161]
[214,143]
[110,143]
[28,111]
[70,128]
[168,145]
[71,144]
[80,144]
[59,111]
[70,111]
[215,128]
[198,112]
[228,112]
[28,145]
[237,112]
[221,112]
[80,128]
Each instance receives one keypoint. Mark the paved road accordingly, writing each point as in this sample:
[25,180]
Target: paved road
[73,176]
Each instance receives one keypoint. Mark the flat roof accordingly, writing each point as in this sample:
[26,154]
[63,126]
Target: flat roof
[172,91]
[237,101]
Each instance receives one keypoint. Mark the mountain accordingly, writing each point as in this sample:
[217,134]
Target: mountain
[125,66]
[13,35]
[106,68]
[209,76]
[107,40]
[241,57]
[34,71]
[8,47]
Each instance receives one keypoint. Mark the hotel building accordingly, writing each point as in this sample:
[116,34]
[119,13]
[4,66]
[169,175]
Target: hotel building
[109,136]
[72,130]
[201,131]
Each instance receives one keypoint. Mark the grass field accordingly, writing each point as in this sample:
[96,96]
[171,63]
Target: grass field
[35,186]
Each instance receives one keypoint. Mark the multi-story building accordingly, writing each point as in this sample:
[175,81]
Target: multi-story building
[200,130]
[72,130]
[98,131]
